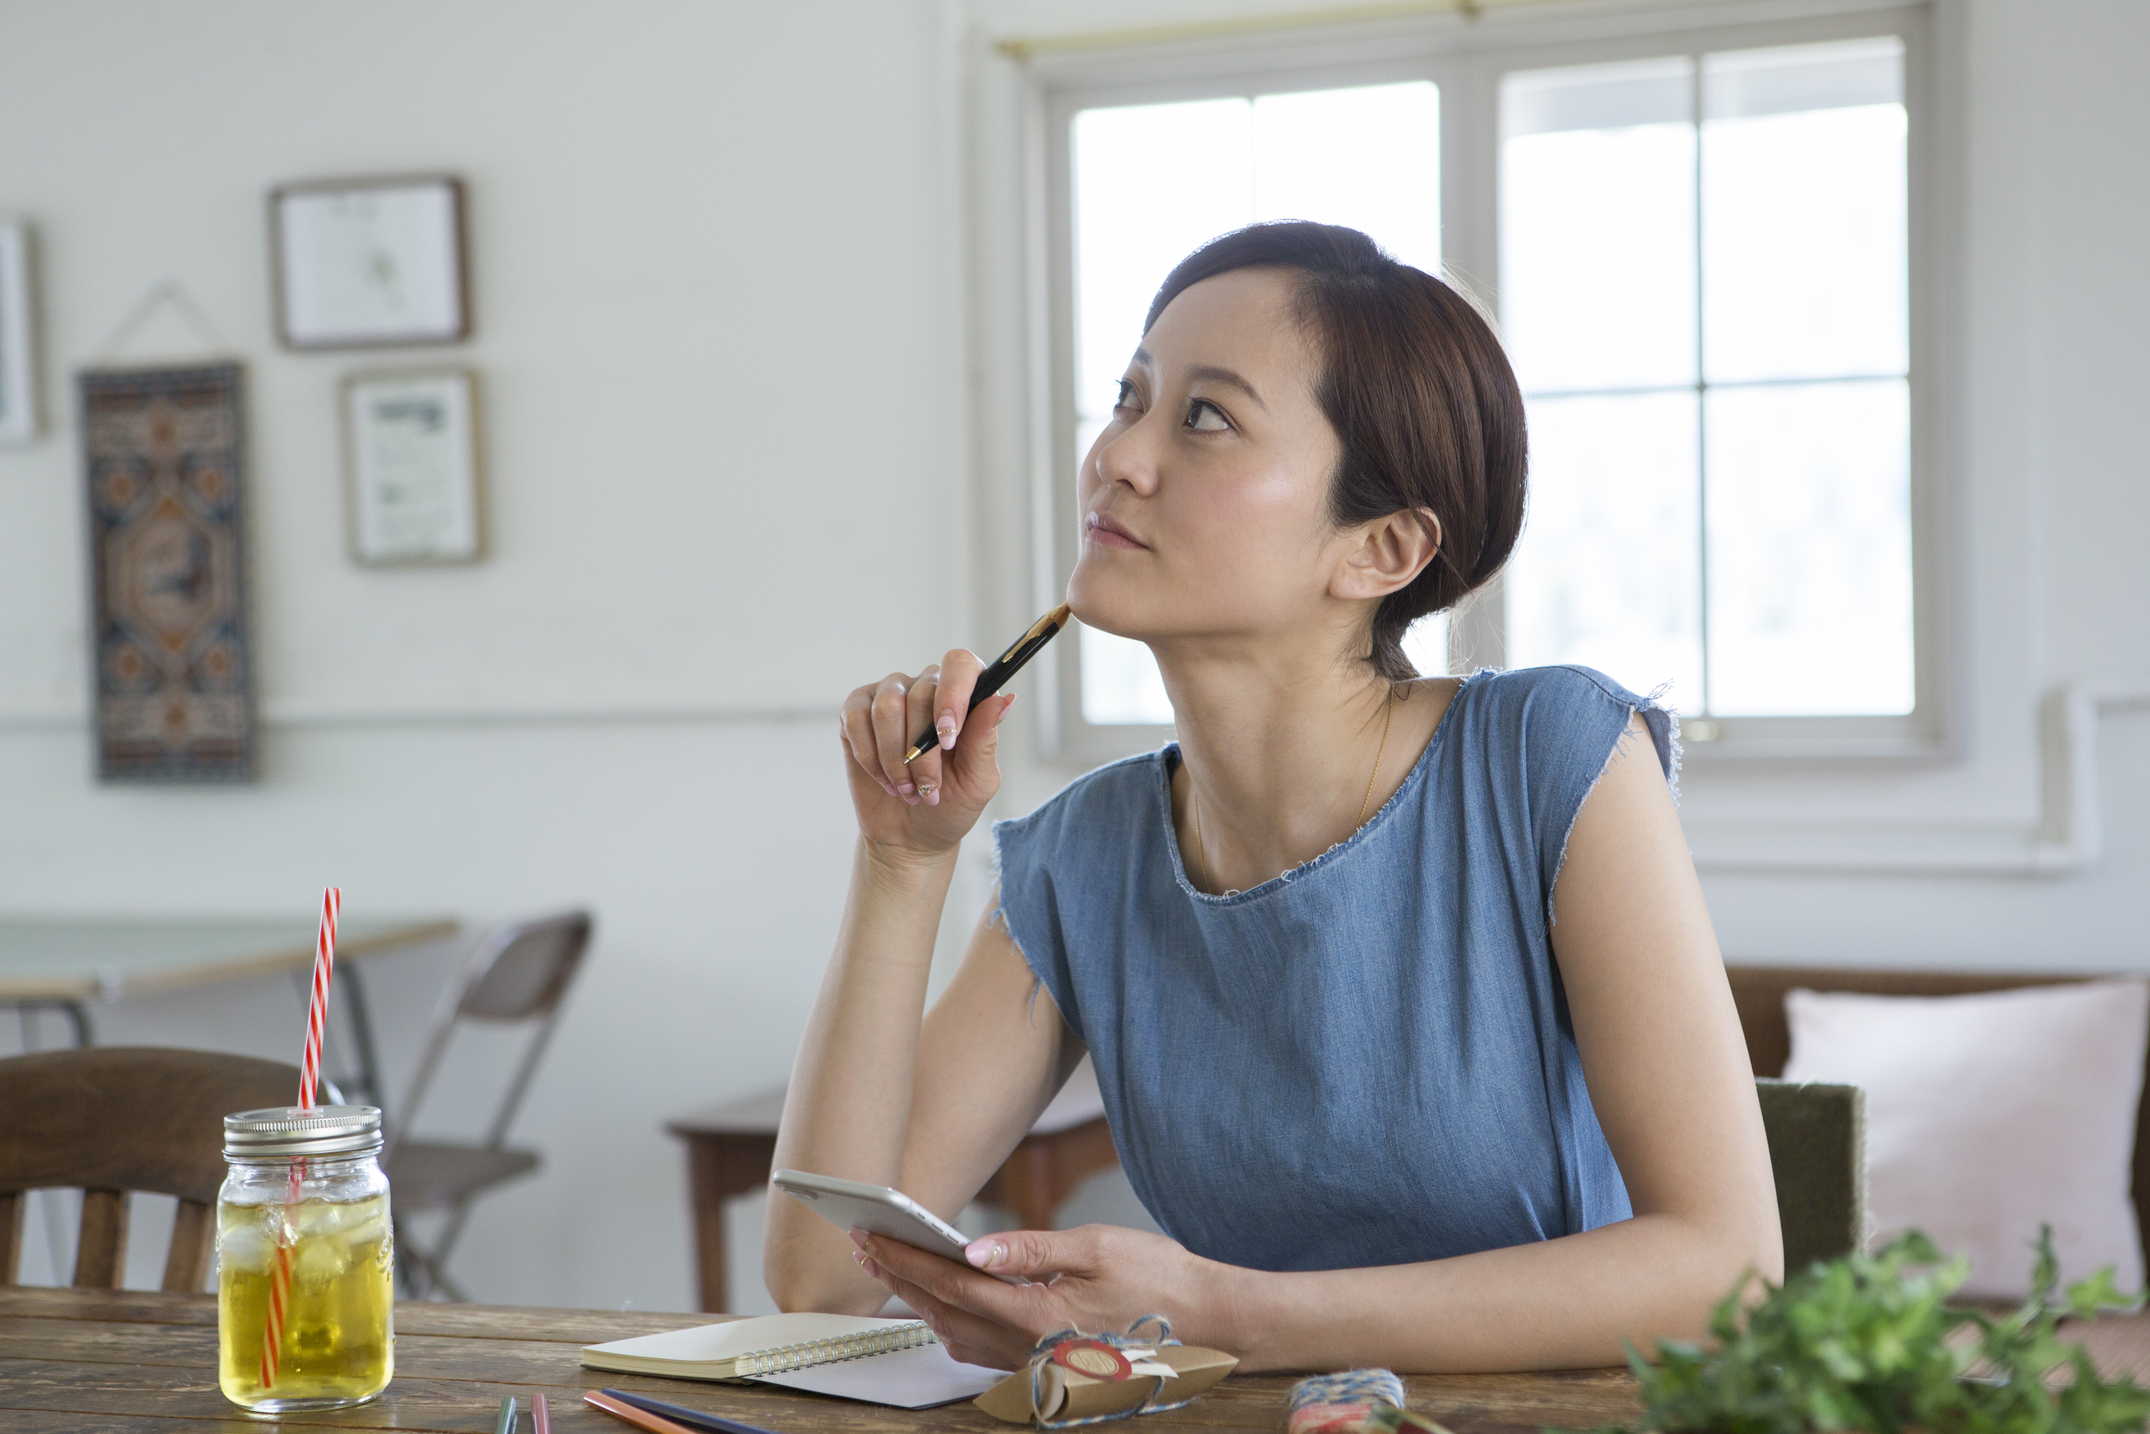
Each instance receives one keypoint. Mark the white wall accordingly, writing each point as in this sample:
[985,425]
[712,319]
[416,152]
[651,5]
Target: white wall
[737,318]
[718,333]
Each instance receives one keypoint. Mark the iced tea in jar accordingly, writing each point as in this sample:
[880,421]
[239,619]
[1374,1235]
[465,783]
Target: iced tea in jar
[305,1260]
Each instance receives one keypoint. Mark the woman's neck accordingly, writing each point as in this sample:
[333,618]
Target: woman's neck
[1279,755]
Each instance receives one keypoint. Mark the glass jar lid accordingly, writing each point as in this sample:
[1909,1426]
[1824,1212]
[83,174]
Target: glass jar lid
[289,1131]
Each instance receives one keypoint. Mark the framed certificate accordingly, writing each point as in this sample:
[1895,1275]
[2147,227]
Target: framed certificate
[18,358]
[369,262]
[411,467]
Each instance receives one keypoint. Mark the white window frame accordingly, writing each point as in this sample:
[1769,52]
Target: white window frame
[1466,59]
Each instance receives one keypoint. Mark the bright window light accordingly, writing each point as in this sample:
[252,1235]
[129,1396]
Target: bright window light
[1155,182]
[1703,289]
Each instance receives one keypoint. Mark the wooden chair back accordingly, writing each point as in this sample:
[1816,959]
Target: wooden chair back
[118,1119]
[1758,992]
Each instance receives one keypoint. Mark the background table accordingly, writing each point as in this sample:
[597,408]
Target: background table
[64,962]
[730,1147]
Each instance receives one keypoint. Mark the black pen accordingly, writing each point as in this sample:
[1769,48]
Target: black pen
[692,1418]
[999,671]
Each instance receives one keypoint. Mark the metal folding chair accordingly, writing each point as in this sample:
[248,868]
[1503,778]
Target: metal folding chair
[518,973]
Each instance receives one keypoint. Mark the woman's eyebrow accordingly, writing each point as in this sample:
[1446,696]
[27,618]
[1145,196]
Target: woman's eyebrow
[1210,373]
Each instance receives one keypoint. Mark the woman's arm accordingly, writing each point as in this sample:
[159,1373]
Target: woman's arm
[1669,1076]
[874,1095]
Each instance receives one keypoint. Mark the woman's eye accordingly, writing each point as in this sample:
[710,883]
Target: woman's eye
[1205,417]
[1126,396]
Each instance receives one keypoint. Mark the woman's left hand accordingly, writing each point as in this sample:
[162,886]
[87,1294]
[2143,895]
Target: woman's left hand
[1096,1278]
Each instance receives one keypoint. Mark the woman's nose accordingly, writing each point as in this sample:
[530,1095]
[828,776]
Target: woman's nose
[1129,459]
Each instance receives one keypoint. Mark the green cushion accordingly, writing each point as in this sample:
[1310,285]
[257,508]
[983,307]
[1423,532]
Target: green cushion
[1817,1147]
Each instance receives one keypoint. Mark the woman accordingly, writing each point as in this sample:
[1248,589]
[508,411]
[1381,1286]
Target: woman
[1403,1000]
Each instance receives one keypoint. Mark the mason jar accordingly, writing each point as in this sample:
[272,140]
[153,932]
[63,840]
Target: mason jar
[305,1260]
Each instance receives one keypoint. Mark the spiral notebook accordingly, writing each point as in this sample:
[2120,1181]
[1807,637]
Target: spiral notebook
[881,1361]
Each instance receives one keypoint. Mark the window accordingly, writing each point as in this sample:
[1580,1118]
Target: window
[1699,248]
[1703,292]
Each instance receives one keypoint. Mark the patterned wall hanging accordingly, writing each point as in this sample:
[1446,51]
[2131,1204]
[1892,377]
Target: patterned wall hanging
[163,454]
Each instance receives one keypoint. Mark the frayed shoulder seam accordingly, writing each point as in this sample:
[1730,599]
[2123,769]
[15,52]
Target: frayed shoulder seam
[1652,710]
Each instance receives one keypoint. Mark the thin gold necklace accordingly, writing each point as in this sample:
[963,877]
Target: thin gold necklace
[1194,795]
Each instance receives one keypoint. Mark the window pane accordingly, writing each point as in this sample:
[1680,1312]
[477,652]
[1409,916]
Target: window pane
[1803,202]
[1152,183]
[1597,220]
[1608,571]
[1810,549]
[1369,158]
[1426,644]
[1120,681]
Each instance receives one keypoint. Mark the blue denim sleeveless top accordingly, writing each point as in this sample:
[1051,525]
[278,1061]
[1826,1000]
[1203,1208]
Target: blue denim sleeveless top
[1367,1060]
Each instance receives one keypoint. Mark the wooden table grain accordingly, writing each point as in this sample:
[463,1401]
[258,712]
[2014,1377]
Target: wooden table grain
[139,1362]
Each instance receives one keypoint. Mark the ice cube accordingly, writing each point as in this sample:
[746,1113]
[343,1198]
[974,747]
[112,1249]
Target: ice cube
[246,1249]
[311,1219]
[321,1260]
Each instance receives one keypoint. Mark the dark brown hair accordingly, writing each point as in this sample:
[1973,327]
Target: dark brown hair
[1420,395]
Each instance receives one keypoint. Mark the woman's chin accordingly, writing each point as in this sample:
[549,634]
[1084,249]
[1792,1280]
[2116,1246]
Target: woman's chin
[1094,611]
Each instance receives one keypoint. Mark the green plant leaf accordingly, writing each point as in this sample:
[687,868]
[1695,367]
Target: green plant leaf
[1869,1342]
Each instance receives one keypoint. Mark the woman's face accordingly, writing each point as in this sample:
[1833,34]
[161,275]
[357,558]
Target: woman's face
[1205,500]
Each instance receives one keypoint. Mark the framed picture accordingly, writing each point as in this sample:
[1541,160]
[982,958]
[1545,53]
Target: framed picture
[18,355]
[411,467]
[365,263]
[164,458]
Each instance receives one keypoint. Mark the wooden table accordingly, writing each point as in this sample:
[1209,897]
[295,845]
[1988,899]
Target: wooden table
[145,1363]
[730,1148]
[135,1362]
[64,962]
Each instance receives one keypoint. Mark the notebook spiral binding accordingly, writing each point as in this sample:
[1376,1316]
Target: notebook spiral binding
[829,1351]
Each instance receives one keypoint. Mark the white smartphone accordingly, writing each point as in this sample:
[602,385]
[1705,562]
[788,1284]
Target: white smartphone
[853,1205]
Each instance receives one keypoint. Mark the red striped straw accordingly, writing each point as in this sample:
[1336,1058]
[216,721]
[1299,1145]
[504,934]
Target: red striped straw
[309,1077]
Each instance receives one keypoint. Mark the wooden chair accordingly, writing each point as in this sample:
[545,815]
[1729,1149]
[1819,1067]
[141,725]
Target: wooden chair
[115,1119]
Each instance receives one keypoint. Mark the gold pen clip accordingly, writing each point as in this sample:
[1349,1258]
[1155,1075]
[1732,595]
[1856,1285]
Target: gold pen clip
[1043,628]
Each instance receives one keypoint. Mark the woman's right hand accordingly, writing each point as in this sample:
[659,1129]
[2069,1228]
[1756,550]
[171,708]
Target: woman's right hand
[925,808]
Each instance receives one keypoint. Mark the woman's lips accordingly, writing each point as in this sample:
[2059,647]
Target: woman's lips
[1103,531]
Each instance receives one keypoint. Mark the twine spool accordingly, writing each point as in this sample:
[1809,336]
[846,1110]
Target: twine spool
[1345,1403]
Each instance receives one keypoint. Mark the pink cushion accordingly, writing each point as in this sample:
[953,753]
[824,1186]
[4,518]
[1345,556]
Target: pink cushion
[1987,1114]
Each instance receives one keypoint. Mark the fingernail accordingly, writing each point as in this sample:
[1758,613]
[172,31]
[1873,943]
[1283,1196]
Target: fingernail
[871,1268]
[907,790]
[985,1253]
[858,1238]
[858,1257]
[947,728]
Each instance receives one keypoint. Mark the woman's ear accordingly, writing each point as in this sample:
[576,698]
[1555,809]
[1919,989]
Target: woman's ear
[1390,553]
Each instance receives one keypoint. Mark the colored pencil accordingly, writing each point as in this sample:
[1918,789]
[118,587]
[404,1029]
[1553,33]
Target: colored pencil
[640,1418]
[679,1413]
